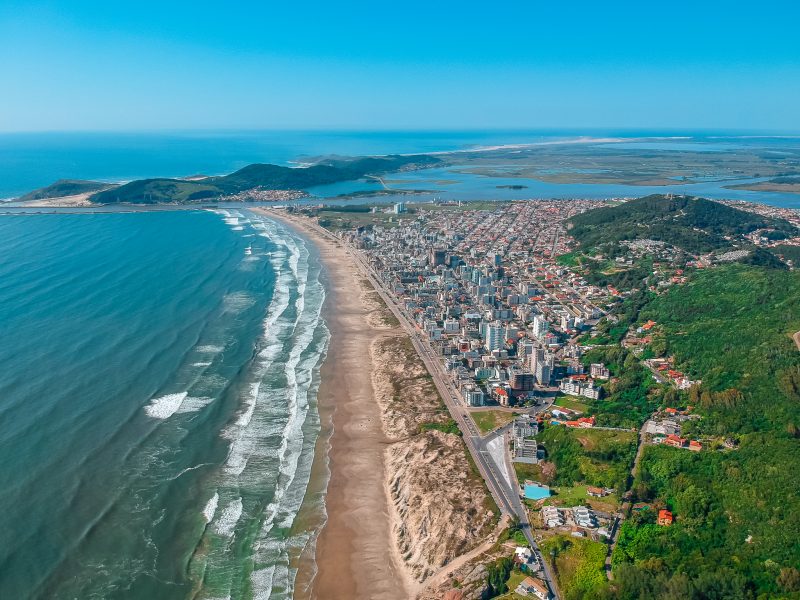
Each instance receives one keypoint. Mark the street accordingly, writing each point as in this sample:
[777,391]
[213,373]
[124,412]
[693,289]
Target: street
[505,495]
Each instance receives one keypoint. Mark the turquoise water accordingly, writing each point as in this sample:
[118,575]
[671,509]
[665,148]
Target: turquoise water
[29,161]
[33,160]
[452,184]
[157,404]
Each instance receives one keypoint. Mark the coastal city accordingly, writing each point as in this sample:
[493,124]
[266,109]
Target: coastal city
[508,331]
[429,301]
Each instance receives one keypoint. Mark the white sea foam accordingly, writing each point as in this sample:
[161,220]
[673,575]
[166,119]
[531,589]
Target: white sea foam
[165,406]
[193,404]
[211,507]
[228,518]
[297,405]
[262,582]
[237,302]
[238,452]
[288,497]
[201,364]
[209,349]
[267,433]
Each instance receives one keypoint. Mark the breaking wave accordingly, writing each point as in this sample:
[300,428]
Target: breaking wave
[165,406]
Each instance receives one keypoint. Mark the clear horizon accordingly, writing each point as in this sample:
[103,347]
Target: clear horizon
[80,66]
[564,132]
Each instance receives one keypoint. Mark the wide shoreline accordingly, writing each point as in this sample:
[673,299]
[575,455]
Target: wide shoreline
[354,554]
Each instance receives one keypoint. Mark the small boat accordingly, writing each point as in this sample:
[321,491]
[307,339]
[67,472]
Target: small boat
[249,250]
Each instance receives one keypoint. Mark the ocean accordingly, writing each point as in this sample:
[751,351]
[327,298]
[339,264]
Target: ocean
[32,160]
[157,404]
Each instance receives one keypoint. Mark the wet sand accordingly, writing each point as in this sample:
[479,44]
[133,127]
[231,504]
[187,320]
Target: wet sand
[355,555]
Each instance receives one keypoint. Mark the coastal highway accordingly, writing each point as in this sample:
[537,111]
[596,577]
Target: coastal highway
[506,497]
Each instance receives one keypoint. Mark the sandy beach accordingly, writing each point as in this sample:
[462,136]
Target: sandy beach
[355,556]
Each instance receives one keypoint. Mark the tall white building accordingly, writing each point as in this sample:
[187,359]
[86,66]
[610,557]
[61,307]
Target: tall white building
[536,356]
[543,372]
[540,326]
[451,326]
[494,336]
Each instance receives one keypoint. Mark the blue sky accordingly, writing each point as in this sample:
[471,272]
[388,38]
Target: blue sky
[80,65]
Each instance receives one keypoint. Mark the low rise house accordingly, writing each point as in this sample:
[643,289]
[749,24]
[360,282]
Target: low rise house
[552,517]
[582,423]
[531,587]
[599,371]
[523,555]
[675,441]
[584,517]
[664,518]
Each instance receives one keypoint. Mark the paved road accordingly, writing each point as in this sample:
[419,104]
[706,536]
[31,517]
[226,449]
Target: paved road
[506,497]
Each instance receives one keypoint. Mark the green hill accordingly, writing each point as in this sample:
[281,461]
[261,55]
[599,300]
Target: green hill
[736,510]
[695,225]
[264,176]
[64,187]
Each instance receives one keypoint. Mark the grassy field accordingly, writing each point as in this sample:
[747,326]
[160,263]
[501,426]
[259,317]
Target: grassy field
[572,403]
[576,495]
[334,220]
[595,457]
[526,471]
[514,579]
[488,420]
[578,564]
[590,439]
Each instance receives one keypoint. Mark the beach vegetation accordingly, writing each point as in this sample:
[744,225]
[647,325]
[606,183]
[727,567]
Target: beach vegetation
[448,426]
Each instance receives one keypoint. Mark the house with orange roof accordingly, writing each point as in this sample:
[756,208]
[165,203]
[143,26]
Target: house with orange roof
[664,518]
[675,441]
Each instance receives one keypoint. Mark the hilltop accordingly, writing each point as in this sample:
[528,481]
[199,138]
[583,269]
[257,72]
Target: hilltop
[64,187]
[695,225]
[257,176]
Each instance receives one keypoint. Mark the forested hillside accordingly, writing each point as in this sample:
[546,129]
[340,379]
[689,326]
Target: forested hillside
[695,225]
[263,176]
[736,506]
